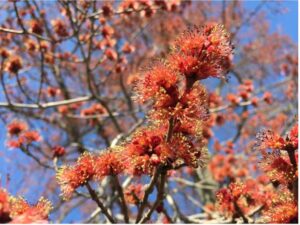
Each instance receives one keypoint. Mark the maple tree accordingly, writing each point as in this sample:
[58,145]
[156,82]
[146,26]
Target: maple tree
[148,112]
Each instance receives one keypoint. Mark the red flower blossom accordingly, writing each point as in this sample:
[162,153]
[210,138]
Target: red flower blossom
[268,97]
[281,209]
[16,127]
[111,54]
[210,46]
[19,134]
[283,213]
[108,163]
[17,210]
[93,110]
[22,212]
[52,91]
[72,177]
[60,28]
[28,137]
[254,101]
[14,143]
[146,149]
[176,98]
[192,153]
[185,64]
[4,53]
[14,64]
[107,10]
[107,31]
[234,100]
[4,207]
[127,48]
[293,136]
[159,84]
[214,100]
[278,168]
[134,193]
[37,27]
[225,199]
[227,166]
[58,151]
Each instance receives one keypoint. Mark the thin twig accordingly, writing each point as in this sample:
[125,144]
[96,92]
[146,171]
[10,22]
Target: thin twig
[99,203]
[148,191]
[123,202]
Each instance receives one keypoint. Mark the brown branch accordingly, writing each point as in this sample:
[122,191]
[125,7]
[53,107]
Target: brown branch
[99,203]
[46,105]
[23,31]
[159,198]
[123,202]
[96,14]
[42,74]
[240,212]
[3,83]
[21,87]
[27,152]
[247,20]
[148,191]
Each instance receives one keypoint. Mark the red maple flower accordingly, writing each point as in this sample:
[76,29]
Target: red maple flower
[160,84]
[282,208]
[278,168]
[108,163]
[107,31]
[16,127]
[4,53]
[14,64]
[72,177]
[22,212]
[93,110]
[58,151]
[134,193]
[293,136]
[30,136]
[210,46]
[146,150]
[127,48]
[111,54]
[4,207]
[36,27]
[60,28]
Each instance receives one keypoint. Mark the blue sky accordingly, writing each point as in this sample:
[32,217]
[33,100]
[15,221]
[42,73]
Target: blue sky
[287,23]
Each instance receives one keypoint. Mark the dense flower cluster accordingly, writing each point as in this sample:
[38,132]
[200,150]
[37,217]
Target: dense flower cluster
[60,28]
[173,137]
[4,206]
[276,197]
[146,150]
[280,155]
[17,210]
[203,52]
[19,135]
[58,151]
[88,167]
[284,208]
[227,166]
[241,196]
[93,110]
[134,193]
[14,64]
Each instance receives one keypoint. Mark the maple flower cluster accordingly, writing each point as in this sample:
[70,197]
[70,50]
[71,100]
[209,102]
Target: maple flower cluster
[17,210]
[276,197]
[173,137]
[19,135]
[280,156]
